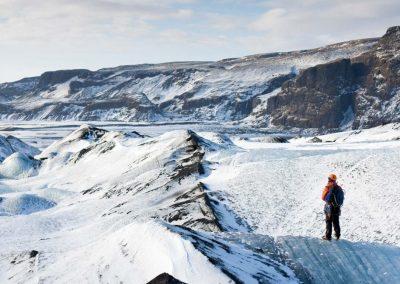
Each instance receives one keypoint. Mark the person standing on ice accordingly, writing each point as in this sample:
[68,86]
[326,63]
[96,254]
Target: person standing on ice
[333,196]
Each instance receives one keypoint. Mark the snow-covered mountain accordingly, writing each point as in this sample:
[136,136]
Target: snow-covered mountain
[227,90]
[108,206]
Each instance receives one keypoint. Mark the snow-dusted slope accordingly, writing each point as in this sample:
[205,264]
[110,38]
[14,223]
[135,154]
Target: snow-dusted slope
[10,144]
[135,253]
[23,204]
[18,165]
[204,207]
[74,142]
[277,187]
[106,211]
[388,132]
[16,158]
[225,90]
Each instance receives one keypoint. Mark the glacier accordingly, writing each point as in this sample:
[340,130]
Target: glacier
[120,202]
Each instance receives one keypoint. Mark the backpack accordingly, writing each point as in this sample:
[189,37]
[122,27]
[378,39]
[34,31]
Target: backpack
[335,196]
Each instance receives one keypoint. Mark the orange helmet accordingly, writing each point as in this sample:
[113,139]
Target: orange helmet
[332,177]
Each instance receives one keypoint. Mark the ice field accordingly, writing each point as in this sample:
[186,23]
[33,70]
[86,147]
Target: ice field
[214,204]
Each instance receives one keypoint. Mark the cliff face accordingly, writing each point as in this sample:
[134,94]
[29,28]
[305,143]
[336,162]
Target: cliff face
[363,91]
[378,99]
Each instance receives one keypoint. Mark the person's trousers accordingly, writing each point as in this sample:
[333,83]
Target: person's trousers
[333,219]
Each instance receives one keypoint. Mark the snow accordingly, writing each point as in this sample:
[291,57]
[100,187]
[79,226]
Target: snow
[245,265]
[18,165]
[24,204]
[10,144]
[259,111]
[60,91]
[277,187]
[77,140]
[102,227]
[135,253]
[110,206]
[348,119]
[368,262]
[388,132]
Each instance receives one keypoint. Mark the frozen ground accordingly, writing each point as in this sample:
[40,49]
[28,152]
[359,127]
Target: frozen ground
[277,187]
[106,207]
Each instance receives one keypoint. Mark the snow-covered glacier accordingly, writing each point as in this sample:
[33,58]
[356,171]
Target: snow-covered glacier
[111,203]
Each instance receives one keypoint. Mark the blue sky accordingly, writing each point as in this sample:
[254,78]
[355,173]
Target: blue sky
[36,36]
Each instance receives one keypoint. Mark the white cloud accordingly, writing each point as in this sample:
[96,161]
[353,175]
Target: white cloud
[182,14]
[173,35]
[223,22]
[288,25]
[269,19]
[96,33]
[56,20]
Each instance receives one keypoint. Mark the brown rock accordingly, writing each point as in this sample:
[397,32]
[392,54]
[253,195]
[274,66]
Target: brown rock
[320,96]
[165,278]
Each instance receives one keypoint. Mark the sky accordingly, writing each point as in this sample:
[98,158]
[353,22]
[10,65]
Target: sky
[42,35]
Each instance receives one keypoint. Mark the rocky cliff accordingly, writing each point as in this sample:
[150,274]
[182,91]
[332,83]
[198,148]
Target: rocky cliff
[358,92]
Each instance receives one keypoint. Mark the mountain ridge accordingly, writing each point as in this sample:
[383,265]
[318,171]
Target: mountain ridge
[233,90]
[267,54]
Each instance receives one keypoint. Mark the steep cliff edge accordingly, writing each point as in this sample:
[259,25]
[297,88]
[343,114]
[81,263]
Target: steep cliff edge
[359,92]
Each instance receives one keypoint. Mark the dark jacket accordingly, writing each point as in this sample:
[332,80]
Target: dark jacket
[333,197]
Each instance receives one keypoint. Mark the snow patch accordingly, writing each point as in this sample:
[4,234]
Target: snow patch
[23,204]
[18,166]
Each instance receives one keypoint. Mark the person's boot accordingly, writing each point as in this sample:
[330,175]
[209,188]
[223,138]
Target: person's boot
[326,238]
[337,237]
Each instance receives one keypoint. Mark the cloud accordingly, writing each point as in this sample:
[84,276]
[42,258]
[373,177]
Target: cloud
[173,35]
[288,25]
[221,22]
[269,20]
[96,33]
[61,20]
[182,14]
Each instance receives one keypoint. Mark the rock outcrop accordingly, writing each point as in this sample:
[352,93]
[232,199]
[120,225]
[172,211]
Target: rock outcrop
[360,92]
[165,278]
